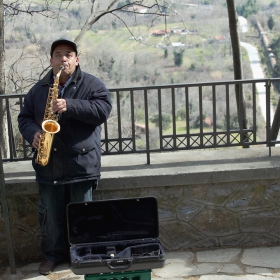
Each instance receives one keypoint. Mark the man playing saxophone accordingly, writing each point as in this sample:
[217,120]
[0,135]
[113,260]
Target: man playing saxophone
[73,167]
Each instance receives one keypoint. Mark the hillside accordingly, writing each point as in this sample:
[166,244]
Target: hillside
[109,50]
[121,49]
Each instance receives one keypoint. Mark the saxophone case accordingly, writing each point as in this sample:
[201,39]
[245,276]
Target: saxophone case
[114,236]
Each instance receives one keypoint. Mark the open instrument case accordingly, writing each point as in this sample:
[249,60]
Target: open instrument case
[114,235]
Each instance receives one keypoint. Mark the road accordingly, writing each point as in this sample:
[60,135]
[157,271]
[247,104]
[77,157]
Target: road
[255,64]
[257,74]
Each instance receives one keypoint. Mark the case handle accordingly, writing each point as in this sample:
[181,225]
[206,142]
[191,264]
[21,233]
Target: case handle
[119,267]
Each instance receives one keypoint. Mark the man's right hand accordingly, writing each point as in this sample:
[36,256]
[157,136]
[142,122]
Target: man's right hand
[36,139]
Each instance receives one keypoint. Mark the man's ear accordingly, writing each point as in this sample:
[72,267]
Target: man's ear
[77,60]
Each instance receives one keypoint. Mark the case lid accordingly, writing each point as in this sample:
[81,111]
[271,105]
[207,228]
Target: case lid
[112,220]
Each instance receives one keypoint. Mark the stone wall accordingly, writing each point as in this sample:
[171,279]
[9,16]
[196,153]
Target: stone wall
[241,213]
[214,202]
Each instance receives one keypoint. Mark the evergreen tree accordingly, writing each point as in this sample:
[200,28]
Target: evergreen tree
[166,120]
[178,57]
[270,22]
[275,48]
[272,5]
[247,9]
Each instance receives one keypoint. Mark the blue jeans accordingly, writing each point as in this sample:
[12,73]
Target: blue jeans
[52,215]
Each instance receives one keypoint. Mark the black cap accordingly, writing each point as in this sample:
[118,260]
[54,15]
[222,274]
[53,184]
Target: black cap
[63,41]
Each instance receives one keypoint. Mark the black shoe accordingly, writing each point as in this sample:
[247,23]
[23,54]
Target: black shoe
[46,267]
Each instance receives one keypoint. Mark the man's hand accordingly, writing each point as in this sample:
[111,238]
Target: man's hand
[36,139]
[59,106]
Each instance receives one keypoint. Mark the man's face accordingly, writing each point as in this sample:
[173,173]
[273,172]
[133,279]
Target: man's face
[64,55]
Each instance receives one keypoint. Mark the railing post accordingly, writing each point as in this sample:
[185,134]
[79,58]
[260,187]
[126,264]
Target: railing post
[147,126]
[275,124]
[268,116]
[6,218]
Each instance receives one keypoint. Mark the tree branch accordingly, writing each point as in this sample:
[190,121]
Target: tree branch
[17,7]
[95,15]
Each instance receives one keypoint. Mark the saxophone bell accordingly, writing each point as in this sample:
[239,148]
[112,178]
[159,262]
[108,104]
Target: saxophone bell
[50,126]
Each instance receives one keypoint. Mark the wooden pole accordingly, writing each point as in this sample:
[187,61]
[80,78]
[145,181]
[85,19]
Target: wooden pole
[237,66]
[6,218]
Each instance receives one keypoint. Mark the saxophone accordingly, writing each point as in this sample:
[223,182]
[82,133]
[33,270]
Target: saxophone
[50,126]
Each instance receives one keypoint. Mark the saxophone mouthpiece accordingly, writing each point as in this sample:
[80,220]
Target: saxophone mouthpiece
[61,67]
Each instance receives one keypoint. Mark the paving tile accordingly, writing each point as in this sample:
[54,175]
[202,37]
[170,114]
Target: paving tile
[172,257]
[72,276]
[231,269]
[237,277]
[263,257]
[8,276]
[258,270]
[176,270]
[33,276]
[218,255]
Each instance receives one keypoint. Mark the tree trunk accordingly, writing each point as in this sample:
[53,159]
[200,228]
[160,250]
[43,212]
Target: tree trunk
[237,63]
[3,120]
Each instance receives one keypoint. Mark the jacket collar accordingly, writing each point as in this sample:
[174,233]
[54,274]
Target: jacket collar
[48,79]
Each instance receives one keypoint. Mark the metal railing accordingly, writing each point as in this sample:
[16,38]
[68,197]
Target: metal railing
[172,117]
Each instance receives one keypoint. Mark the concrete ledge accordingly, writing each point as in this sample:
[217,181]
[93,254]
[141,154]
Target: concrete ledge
[200,166]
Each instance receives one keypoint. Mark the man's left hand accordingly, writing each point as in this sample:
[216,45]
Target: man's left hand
[59,106]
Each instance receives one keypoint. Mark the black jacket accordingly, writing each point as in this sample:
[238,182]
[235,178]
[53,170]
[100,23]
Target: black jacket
[76,149]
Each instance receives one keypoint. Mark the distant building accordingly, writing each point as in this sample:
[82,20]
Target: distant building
[140,129]
[208,122]
[176,31]
[220,39]
[191,5]
[272,60]
[160,32]
[137,9]
[178,44]
[184,31]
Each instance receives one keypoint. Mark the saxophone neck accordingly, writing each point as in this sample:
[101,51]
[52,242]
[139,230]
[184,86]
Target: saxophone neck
[61,67]
[56,80]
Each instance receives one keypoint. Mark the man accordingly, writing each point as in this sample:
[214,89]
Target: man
[73,169]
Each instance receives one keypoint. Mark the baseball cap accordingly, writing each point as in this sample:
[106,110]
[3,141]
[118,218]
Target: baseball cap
[63,41]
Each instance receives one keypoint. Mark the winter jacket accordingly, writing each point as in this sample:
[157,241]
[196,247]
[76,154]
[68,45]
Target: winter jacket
[76,148]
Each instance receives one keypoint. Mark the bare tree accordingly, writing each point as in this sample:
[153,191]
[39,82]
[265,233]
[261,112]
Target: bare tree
[99,9]
[3,134]
[16,7]
[8,10]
